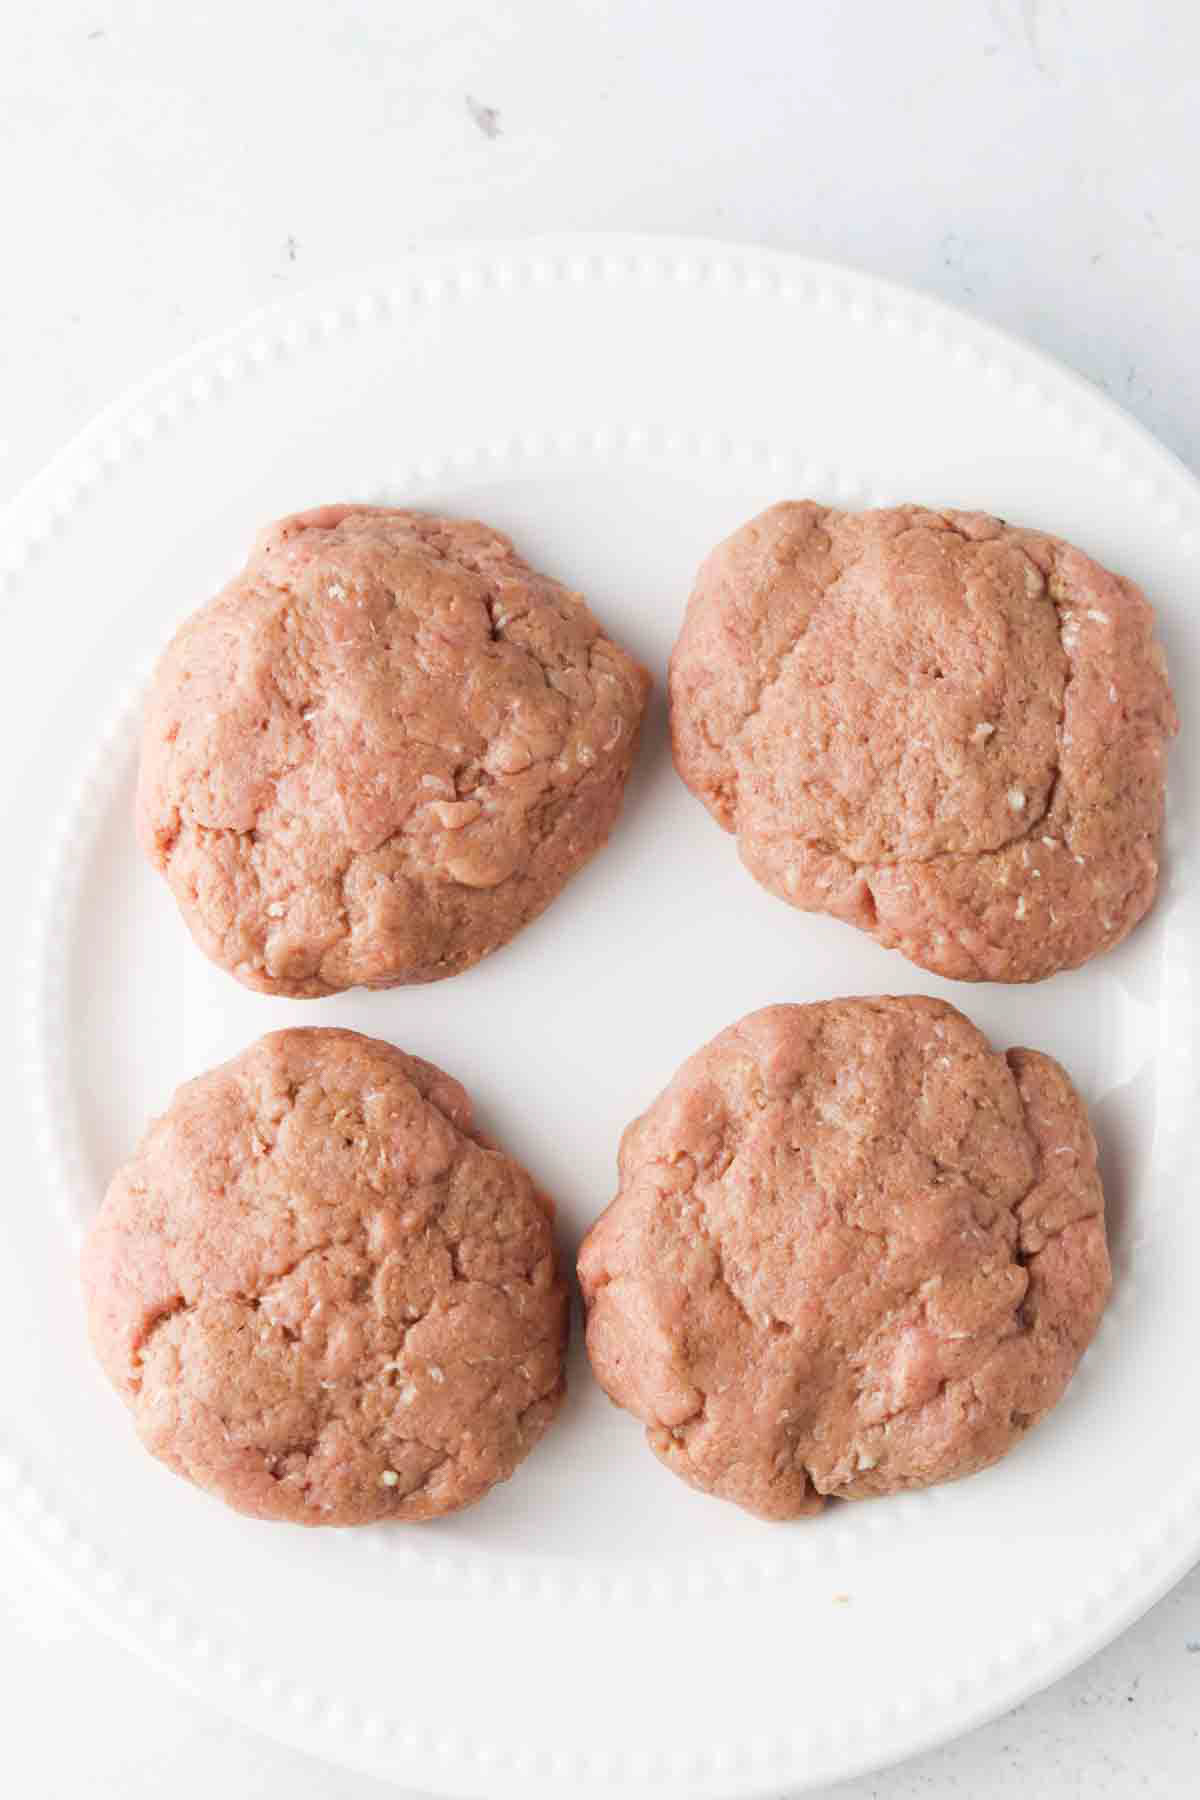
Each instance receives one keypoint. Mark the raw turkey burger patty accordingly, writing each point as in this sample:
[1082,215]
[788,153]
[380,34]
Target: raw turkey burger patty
[933,725]
[322,1294]
[380,751]
[853,1250]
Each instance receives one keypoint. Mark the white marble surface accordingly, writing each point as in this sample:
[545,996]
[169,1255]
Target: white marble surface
[165,168]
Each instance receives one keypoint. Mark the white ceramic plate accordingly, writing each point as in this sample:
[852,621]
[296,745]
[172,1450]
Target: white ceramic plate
[617,405]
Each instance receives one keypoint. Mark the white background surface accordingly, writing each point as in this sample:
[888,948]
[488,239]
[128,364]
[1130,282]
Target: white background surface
[164,169]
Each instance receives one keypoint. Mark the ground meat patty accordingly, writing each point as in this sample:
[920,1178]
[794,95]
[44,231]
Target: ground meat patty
[854,1250]
[322,1294]
[940,728]
[380,751]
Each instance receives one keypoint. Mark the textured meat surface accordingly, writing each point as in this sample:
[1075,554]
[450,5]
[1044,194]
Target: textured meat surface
[380,751]
[323,1296]
[854,1250]
[940,728]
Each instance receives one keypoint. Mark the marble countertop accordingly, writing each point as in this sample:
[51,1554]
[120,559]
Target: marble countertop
[167,169]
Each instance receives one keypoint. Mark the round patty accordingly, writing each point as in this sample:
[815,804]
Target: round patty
[322,1294]
[854,1250]
[380,751]
[940,728]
